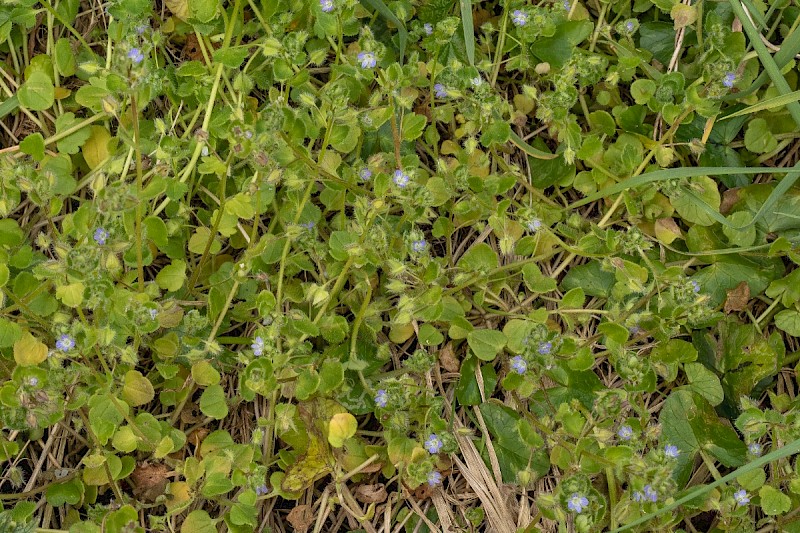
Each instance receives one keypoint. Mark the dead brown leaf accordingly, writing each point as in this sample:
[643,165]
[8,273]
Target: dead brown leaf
[738,298]
[301,518]
[371,493]
[729,199]
[448,358]
[150,480]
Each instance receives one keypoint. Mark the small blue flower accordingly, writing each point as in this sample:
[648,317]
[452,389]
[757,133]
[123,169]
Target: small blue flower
[534,225]
[141,28]
[65,343]
[566,5]
[258,346]
[519,365]
[671,451]
[630,26]
[326,5]
[545,348]
[477,81]
[441,92]
[695,286]
[741,497]
[33,382]
[649,494]
[367,59]
[434,478]
[729,80]
[433,443]
[308,225]
[419,246]
[365,174]
[755,449]
[136,55]
[428,27]
[100,236]
[153,313]
[577,502]
[262,489]
[625,433]
[381,398]
[400,179]
[519,18]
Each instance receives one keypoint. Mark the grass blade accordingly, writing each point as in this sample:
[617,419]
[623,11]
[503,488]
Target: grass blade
[790,449]
[530,150]
[676,173]
[469,29]
[766,59]
[769,103]
[386,13]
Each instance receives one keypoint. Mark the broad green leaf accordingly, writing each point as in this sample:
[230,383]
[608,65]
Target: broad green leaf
[173,276]
[69,492]
[137,389]
[204,374]
[706,190]
[480,257]
[486,343]
[788,320]
[198,521]
[513,453]
[758,138]
[774,501]
[704,382]
[213,402]
[203,10]
[33,145]
[96,150]
[73,142]
[71,295]
[37,93]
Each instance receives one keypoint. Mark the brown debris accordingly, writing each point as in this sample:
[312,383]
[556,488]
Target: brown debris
[738,298]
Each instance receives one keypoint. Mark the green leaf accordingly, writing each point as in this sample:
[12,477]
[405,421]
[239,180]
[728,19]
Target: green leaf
[687,207]
[69,492]
[198,521]
[725,274]
[788,320]
[468,28]
[5,274]
[557,49]
[231,57]
[203,10]
[173,276]
[498,132]
[467,391]
[486,343]
[774,501]
[9,333]
[29,351]
[33,145]
[213,403]
[658,38]
[72,143]
[412,126]
[480,257]
[513,453]
[758,138]
[704,382]
[71,295]
[37,93]
[389,15]
[137,389]
[204,374]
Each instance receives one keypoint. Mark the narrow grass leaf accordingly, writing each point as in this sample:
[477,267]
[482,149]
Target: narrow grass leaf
[530,150]
[386,13]
[769,103]
[469,30]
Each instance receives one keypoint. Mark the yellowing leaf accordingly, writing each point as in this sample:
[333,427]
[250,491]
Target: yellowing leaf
[71,295]
[179,8]
[178,496]
[137,389]
[340,428]
[95,149]
[312,466]
[29,351]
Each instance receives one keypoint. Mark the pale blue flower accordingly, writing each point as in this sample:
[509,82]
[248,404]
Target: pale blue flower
[519,365]
[695,286]
[434,478]
[136,55]
[649,494]
[400,179]
[625,433]
[741,497]
[433,443]
[440,90]
[519,18]
[100,236]
[33,381]
[65,343]
[365,174]
[381,398]
[367,59]
[428,27]
[671,451]
[545,348]
[534,225]
[419,246]
[258,346]
[326,5]
[577,502]
[755,449]
[729,80]
[262,489]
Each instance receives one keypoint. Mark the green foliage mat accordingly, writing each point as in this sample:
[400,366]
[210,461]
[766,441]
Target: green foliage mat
[407,265]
